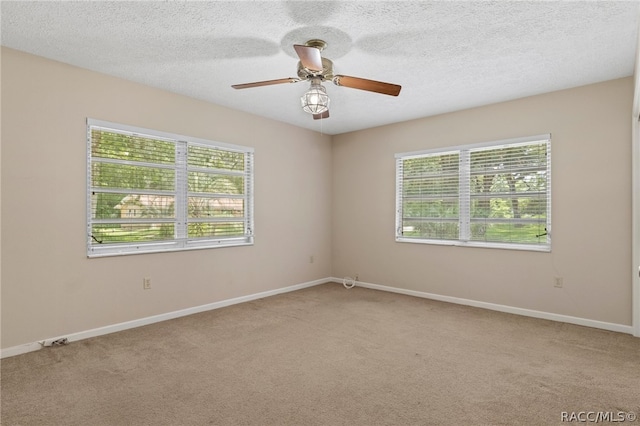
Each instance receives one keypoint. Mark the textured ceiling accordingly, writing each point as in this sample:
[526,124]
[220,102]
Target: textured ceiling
[446,55]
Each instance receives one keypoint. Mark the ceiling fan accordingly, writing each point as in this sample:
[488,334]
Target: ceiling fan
[316,69]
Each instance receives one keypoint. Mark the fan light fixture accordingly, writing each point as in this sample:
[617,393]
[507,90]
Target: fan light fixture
[315,100]
[315,69]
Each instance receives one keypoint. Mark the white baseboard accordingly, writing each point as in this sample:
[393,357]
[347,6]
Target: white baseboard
[621,328]
[30,347]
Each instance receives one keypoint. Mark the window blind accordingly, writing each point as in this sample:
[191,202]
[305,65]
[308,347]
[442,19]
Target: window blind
[430,196]
[151,191]
[493,194]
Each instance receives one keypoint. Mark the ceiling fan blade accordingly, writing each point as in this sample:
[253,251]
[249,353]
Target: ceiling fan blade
[321,116]
[309,57]
[266,83]
[370,85]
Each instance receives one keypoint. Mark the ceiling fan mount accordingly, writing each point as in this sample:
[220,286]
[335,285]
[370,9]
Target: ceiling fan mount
[317,43]
[316,69]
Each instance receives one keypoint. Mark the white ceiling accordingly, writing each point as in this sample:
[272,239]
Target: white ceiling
[446,56]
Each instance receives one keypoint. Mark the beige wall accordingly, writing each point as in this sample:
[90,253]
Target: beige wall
[50,288]
[591,206]
[338,207]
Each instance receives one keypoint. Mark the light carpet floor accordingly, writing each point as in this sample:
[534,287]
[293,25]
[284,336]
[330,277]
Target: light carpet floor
[329,356]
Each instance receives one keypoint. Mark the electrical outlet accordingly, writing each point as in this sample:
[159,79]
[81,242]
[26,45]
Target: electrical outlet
[557,282]
[146,283]
[311,259]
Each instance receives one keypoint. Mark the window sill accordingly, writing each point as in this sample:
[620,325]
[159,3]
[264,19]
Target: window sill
[504,246]
[169,247]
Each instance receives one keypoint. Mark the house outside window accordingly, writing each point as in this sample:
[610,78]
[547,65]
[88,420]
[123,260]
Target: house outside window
[495,194]
[150,191]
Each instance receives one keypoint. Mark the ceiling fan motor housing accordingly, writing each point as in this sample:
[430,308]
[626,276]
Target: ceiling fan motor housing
[325,74]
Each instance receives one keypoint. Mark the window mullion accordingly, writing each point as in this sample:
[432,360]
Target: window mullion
[181,191]
[465,195]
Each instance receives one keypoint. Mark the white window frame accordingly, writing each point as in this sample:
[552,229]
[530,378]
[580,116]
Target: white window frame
[464,220]
[180,241]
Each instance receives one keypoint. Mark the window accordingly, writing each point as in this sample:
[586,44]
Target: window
[149,191]
[495,194]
